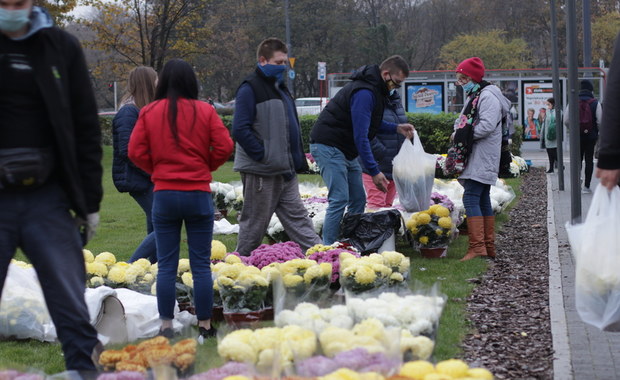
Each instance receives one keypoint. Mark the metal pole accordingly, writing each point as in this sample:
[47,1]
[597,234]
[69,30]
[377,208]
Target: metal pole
[587,35]
[557,95]
[575,157]
[287,23]
[115,98]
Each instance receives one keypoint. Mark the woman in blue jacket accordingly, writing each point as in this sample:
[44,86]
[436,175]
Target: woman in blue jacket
[127,177]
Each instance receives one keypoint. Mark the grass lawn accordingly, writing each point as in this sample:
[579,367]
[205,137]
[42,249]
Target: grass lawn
[123,227]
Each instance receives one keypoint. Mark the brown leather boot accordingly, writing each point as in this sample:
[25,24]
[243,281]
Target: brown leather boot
[489,235]
[475,231]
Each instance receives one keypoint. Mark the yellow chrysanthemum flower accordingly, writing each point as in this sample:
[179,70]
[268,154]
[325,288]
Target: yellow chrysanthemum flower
[96,281]
[312,273]
[218,250]
[143,263]
[132,273]
[292,280]
[225,281]
[228,270]
[433,209]
[148,278]
[442,211]
[183,266]
[233,259]
[445,222]
[117,274]
[188,279]
[106,258]
[88,256]
[270,273]
[97,269]
[326,268]
[396,276]
[365,275]
[410,223]
[423,218]
[423,239]
[438,231]
[392,258]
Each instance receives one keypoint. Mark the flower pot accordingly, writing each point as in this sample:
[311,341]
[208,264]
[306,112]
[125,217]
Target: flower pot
[434,253]
[217,314]
[243,319]
[224,212]
[267,314]
[187,306]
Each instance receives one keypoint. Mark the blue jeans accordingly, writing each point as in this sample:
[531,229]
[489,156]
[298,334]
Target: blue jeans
[39,222]
[476,198]
[345,187]
[148,248]
[170,210]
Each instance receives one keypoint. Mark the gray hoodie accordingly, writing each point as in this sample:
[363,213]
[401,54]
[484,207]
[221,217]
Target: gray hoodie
[483,162]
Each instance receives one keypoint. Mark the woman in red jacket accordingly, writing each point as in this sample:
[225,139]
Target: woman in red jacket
[179,141]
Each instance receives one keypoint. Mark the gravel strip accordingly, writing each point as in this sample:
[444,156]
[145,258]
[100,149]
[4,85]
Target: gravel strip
[509,308]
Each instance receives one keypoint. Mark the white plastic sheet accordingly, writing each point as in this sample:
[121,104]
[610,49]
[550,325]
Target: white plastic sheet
[596,247]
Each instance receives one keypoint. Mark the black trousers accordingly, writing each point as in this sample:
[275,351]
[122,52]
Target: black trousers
[587,152]
[552,153]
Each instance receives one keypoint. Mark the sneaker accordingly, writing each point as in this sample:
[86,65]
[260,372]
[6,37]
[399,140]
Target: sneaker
[166,333]
[210,333]
[586,190]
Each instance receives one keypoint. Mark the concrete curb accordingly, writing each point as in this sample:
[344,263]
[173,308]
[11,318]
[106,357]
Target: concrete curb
[562,367]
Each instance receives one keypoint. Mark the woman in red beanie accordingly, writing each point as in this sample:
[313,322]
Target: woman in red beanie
[484,108]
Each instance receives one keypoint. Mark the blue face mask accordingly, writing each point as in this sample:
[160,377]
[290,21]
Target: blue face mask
[275,71]
[13,20]
[467,87]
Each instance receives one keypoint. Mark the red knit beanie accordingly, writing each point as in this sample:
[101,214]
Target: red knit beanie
[473,68]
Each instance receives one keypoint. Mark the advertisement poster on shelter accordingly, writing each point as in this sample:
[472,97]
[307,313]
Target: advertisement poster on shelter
[424,97]
[535,95]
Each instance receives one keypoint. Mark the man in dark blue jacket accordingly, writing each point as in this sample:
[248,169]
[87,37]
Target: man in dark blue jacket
[269,153]
[344,130]
[50,165]
[385,147]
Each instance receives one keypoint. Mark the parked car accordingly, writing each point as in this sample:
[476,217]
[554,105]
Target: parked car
[310,106]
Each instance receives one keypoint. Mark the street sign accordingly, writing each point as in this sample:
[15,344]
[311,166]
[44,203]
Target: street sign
[291,60]
[322,71]
[291,74]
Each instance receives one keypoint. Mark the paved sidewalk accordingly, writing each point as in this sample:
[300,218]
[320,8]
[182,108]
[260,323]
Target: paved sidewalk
[581,351]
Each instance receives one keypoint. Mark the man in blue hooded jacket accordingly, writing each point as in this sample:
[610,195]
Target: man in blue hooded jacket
[343,131]
[50,167]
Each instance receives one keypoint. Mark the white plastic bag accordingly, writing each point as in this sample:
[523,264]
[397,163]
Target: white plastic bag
[414,173]
[596,247]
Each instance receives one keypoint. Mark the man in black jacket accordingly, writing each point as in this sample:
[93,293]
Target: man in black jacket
[608,165]
[344,130]
[50,167]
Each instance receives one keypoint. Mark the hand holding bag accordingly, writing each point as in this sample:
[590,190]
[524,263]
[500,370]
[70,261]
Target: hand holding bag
[414,174]
[596,247]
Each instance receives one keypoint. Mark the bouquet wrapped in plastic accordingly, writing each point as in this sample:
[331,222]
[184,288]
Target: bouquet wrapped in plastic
[301,280]
[242,288]
[372,272]
[431,228]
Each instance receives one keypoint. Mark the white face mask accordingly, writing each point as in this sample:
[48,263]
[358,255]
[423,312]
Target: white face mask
[13,20]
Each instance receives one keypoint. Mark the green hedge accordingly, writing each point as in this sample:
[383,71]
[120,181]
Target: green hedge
[434,130]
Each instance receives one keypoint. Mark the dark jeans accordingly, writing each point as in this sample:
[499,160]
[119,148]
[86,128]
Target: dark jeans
[39,222]
[148,248]
[552,153]
[587,152]
[170,210]
[477,199]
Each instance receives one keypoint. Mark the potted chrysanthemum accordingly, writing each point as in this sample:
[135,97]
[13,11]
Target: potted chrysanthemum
[431,230]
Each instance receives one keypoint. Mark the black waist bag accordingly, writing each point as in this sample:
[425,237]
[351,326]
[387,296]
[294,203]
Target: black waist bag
[25,168]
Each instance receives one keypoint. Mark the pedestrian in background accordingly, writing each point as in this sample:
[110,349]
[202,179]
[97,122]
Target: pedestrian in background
[50,168]
[179,141]
[343,131]
[484,107]
[269,153]
[608,164]
[590,112]
[385,147]
[548,135]
[126,176]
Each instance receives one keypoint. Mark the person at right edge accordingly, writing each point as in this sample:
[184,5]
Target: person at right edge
[588,126]
[608,164]
[50,168]
[487,106]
